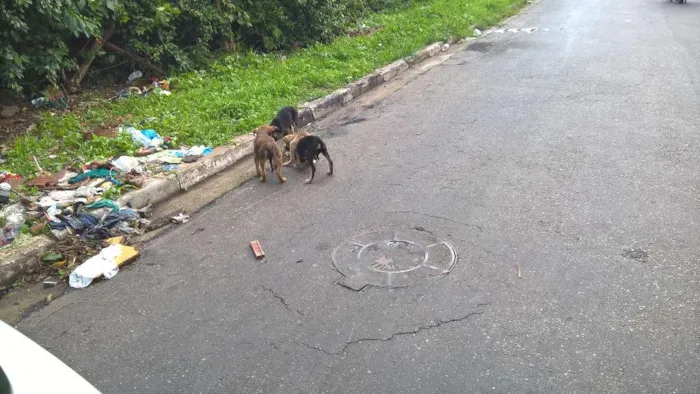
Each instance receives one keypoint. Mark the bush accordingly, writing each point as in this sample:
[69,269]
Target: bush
[47,41]
[35,37]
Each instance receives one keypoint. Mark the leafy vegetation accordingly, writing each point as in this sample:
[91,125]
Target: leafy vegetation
[239,91]
[57,41]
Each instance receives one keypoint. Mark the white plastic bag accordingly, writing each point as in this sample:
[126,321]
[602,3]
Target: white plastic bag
[126,163]
[105,263]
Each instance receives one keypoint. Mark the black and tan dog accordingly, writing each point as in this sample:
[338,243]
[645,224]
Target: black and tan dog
[290,144]
[286,122]
[308,148]
[265,148]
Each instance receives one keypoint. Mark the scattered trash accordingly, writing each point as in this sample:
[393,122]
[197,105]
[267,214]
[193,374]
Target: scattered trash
[445,47]
[170,167]
[125,215]
[104,203]
[477,33]
[257,249]
[115,240]
[144,88]
[50,282]
[198,150]
[130,91]
[180,218]
[92,174]
[43,102]
[13,179]
[51,258]
[300,261]
[5,190]
[146,138]
[519,275]
[126,164]
[78,223]
[14,217]
[144,152]
[134,76]
[106,263]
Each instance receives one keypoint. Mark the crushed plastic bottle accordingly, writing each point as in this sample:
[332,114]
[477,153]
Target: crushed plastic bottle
[134,76]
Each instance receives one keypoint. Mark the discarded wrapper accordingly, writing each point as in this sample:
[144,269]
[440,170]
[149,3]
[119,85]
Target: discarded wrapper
[50,282]
[257,249]
[180,218]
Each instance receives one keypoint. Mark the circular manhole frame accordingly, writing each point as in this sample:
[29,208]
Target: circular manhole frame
[393,258]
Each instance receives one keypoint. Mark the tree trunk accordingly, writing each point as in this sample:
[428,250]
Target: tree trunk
[97,44]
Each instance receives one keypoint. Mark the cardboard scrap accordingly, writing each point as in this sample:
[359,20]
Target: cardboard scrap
[127,256]
[115,240]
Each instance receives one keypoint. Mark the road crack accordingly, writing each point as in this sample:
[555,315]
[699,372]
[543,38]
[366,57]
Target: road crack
[282,300]
[443,218]
[397,334]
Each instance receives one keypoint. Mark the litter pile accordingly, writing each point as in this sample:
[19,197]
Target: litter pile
[81,204]
[83,201]
[140,86]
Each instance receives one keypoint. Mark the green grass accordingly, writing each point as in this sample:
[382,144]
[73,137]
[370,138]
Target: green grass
[239,92]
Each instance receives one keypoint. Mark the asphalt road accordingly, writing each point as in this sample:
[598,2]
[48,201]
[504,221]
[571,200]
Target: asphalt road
[570,151]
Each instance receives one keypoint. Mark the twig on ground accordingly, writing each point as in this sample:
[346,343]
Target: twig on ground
[519,276]
[49,315]
[37,165]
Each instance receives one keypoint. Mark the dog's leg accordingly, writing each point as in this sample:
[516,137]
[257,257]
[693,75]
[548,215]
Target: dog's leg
[278,169]
[257,166]
[272,168]
[310,160]
[263,176]
[330,162]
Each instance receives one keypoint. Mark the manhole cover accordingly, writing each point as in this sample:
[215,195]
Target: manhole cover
[393,258]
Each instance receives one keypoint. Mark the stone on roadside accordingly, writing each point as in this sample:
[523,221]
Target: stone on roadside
[10,111]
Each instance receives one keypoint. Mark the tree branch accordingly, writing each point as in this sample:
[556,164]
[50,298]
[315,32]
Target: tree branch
[111,47]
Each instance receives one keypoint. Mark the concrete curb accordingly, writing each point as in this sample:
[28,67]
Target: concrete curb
[17,261]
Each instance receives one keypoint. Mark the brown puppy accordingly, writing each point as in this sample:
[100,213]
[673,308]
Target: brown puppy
[265,148]
[290,142]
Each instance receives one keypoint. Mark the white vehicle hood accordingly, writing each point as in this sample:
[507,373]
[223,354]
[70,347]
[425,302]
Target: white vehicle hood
[31,369]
